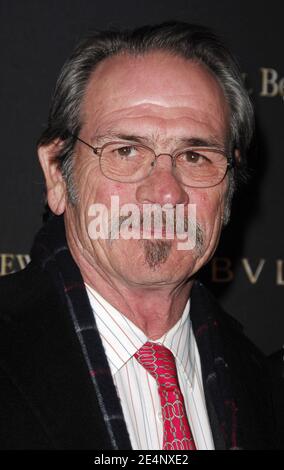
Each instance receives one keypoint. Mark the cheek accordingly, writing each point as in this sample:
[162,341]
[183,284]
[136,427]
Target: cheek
[92,185]
[86,179]
[209,209]
[105,189]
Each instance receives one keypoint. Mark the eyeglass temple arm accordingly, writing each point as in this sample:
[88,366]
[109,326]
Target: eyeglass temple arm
[95,149]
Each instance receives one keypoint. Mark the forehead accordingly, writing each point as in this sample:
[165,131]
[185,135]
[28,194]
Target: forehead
[157,88]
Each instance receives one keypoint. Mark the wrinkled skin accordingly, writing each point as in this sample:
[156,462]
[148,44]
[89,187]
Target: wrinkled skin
[163,99]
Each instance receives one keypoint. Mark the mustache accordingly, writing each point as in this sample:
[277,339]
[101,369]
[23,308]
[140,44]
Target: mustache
[164,219]
[179,224]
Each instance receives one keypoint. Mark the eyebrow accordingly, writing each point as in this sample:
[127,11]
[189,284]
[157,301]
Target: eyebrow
[211,141]
[119,136]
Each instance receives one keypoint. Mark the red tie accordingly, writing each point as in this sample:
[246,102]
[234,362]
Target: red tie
[160,362]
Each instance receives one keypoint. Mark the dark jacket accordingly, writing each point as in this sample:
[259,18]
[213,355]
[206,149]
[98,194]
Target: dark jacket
[56,389]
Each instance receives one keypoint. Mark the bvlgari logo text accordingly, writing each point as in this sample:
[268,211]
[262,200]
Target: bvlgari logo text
[222,270]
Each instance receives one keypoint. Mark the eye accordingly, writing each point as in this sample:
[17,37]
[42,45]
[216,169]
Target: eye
[126,151]
[191,156]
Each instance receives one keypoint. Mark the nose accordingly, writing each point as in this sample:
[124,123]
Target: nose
[162,186]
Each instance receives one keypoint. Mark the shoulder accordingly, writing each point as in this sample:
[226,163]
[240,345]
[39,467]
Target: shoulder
[22,284]
[26,299]
[230,329]
[207,310]
[248,365]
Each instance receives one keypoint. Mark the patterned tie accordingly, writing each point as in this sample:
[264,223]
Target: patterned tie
[160,362]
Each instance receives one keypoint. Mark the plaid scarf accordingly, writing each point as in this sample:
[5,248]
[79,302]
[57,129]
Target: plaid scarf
[51,252]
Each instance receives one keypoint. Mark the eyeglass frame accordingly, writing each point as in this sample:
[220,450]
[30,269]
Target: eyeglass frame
[99,150]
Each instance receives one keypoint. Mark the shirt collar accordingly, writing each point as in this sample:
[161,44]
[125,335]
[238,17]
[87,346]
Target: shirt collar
[121,338]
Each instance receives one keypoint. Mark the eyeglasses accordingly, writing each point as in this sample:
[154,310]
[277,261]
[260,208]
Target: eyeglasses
[127,162]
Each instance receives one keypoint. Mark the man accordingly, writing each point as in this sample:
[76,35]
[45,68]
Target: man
[156,116]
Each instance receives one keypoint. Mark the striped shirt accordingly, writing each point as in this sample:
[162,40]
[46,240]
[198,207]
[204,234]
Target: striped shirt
[137,389]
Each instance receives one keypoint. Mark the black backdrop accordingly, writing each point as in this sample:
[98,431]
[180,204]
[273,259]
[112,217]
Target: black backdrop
[247,272]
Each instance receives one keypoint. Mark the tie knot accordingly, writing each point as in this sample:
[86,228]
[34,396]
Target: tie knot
[159,362]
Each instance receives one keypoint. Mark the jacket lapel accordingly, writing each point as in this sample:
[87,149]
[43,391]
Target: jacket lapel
[220,402]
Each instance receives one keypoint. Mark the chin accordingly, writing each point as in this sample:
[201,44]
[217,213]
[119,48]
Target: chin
[160,262]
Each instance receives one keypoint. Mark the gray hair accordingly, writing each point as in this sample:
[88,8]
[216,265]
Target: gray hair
[192,42]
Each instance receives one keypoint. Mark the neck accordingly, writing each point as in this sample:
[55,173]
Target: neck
[154,310]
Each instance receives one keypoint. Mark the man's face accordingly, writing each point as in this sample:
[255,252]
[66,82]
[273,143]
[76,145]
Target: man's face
[164,100]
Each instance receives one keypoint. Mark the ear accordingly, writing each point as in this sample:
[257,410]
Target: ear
[55,184]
